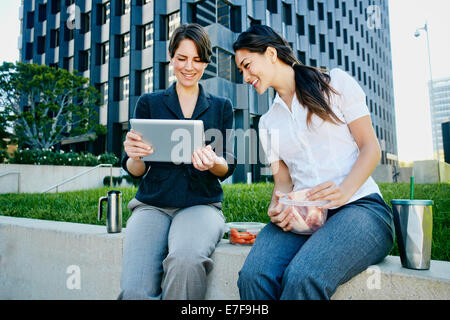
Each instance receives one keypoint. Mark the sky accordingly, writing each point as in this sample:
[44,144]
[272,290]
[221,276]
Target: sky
[409,64]
[411,72]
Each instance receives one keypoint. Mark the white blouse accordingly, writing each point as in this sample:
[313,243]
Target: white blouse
[325,151]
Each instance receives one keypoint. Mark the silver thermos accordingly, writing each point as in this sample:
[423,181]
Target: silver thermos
[114,211]
[414,226]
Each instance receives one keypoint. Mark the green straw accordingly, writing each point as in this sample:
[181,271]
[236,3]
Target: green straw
[411,188]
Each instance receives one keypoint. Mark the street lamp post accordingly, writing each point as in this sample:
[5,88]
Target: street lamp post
[417,34]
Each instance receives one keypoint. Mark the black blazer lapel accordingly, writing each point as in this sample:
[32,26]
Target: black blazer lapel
[202,102]
[171,101]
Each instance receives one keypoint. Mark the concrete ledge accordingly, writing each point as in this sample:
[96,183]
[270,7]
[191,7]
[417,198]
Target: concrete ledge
[58,260]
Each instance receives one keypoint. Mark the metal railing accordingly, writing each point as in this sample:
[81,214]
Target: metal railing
[18,177]
[80,174]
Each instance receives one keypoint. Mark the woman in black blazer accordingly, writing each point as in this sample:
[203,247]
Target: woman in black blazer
[177,217]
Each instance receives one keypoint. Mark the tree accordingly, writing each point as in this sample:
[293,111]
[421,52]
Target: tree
[4,134]
[47,105]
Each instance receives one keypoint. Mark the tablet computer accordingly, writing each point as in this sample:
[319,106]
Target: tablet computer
[172,140]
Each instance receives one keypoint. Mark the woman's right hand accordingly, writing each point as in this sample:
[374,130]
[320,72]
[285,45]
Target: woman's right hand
[135,147]
[279,216]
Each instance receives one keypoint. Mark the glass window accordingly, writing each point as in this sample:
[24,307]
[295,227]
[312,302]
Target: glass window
[287,13]
[174,22]
[124,89]
[40,44]
[104,52]
[42,12]
[85,22]
[321,11]
[312,34]
[223,13]
[55,6]
[301,25]
[68,64]
[125,6]
[272,6]
[207,12]
[83,60]
[104,93]
[322,42]
[331,50]
[148,35]
[104,12]
[30,19]
[302,56]
[339,57]
[124,43]
[224,64]
[204,13]
[330,20]
[211,68]
[54,38]
[147,81]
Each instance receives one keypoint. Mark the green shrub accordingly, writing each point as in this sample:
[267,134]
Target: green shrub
[117,181]
[50,157]
[3,156]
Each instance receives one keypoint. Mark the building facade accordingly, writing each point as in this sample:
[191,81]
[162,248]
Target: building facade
[121,46]
[439,92]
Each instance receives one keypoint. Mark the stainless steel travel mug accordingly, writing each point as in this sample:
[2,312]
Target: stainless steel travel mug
[114,211]
[413,221]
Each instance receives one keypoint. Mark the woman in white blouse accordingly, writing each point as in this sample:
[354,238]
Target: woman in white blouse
[317,135]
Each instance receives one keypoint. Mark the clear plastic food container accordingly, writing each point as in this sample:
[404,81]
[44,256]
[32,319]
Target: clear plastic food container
[243,233]
[308,217]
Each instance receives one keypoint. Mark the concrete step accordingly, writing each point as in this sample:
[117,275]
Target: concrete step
[42,259]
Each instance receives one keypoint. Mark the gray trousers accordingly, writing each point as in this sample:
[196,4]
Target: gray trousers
[167,251]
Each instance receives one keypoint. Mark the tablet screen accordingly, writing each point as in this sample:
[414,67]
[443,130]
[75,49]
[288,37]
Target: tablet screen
[172,140]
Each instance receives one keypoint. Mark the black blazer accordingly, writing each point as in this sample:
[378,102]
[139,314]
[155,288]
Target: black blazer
[166,184]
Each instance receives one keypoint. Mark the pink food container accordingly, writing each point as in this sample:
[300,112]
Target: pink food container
[308,217]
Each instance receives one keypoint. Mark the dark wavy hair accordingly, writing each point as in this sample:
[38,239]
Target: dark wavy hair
[311,84]
[196,33]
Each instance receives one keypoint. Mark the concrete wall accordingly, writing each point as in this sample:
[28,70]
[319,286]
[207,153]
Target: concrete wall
[37,178]
[382,173]
[431,171]
[385,172]
[58,260]
[405,174]
[425,171]
[444,171]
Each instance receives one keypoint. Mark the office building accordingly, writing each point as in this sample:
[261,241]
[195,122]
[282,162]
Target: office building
[439,94]
[121,45]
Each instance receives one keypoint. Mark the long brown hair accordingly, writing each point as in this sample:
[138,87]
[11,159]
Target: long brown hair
[311,84]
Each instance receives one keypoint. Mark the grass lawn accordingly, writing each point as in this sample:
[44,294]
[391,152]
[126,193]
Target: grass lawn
[242,202]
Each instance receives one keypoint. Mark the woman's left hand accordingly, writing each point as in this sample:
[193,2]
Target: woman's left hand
[204,158]
[337,195]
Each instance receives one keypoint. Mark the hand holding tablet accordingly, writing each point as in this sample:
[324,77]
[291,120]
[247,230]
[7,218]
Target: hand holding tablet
[177,141]
[135,147]
[204,159]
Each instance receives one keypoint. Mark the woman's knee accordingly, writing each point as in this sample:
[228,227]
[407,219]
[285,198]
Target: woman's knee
[186,261]
[304,283]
